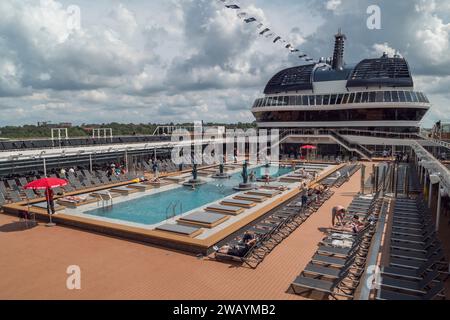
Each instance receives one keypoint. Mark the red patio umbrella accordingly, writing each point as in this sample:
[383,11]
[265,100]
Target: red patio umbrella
[309,147]
[46,184]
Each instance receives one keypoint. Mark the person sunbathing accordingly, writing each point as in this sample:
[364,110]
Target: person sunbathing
[237,250]
[354,226]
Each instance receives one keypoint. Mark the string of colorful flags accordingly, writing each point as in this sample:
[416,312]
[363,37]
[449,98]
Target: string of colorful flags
[264,31]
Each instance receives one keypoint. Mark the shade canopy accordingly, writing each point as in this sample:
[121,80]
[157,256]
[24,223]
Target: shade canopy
[46,183]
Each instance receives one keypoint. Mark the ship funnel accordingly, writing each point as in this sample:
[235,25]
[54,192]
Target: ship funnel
[338,54]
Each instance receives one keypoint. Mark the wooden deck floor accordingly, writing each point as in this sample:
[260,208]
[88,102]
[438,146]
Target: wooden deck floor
[33,264]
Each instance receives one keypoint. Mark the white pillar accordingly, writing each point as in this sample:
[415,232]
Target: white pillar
[90,162]
[438,209]
[430,193]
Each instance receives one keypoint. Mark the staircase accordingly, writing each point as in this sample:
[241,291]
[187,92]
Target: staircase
[362,151]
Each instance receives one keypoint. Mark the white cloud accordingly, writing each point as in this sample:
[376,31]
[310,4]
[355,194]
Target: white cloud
[333,4]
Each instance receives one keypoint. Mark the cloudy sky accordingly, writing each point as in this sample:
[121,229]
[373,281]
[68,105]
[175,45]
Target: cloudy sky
[185,60]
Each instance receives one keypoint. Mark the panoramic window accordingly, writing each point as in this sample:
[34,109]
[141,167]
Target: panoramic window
[326,99]
[358,97]
[408,96]
[394,96]
[312,100]
[351,99]
[333,99]
[305,100]
[379,96]
[345,98]
[372,96]
[339,99]
[401,96]
[291,100]
[414,96]
[387,96]
[319,100]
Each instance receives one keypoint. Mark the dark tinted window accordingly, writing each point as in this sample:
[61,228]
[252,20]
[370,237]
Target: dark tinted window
[401,96]
[414,97]
[291,100]
[421,97]
[394,96]
[358,97]
[372,96]
[333,99]
[351,99]
[379,96]
[408,96]
[345,99]
[305,100]
[319,100]
[365,97]
[312,100]
[298,100]
[339,99]
[387,96]
[326,100]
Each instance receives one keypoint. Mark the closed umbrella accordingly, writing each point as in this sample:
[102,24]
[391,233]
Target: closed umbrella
[46,184]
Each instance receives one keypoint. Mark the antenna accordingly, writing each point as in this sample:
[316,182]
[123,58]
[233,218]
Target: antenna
[338,54]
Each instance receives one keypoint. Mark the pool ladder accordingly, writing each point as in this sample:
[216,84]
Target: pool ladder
[171,210]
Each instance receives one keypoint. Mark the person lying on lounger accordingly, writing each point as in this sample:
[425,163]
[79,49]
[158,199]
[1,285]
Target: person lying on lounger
[355,225]
[238,250]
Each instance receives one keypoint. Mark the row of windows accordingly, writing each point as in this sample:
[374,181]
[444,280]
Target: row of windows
[343,98]
[378,114]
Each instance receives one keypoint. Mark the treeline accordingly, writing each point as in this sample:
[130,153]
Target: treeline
[34,131]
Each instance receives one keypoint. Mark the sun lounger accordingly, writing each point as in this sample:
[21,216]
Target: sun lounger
[105,193]
[123,190]
[29,194]
[393,295]
[179,229]
[409,285]
[14,196]
[76,201]
[43,205]
[225,209]
[238,203]
[140,186]
[266,193]
[304,284]
[160,183]
[203,219]
[249,197]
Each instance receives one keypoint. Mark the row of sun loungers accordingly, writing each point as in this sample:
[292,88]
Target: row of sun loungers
[417,269]
[336,267]
[270,231]
[337,180]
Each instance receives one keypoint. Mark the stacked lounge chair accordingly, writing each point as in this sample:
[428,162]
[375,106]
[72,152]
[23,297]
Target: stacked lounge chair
[336,267]
[417,269]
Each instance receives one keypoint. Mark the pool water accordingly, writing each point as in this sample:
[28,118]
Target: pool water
[155,208]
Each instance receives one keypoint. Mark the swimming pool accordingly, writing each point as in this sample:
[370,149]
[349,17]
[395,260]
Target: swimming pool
[153,208]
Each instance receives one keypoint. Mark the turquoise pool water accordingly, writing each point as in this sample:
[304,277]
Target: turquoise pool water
[152,209]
